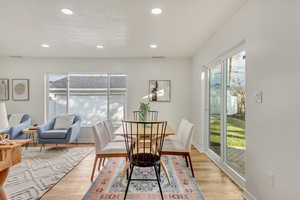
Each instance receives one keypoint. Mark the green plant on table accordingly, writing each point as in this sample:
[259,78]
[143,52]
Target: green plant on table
[144,109]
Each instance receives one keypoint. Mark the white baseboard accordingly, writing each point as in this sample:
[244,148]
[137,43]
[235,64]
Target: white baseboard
[248,196]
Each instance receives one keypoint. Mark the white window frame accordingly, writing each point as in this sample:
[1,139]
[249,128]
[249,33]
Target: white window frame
[220,160]
[46,93]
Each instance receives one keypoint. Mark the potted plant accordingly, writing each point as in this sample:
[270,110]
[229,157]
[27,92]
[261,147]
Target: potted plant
[143,111]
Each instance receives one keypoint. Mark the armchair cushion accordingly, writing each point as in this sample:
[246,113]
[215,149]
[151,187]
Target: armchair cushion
[54,134]
[64,121]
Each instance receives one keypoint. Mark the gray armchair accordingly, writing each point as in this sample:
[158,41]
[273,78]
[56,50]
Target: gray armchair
[15,132]
[48,135]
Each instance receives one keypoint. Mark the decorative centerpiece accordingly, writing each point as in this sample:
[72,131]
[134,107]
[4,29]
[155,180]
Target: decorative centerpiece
[143,111]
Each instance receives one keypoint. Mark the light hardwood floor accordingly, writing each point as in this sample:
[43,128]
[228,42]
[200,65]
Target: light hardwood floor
[213,182]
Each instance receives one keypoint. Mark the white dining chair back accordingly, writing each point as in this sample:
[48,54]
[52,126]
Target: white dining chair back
[186,135]
[109,128]
[104,147]
[110,132]
[182,144]
[180,129]
[97,136]
[101,137]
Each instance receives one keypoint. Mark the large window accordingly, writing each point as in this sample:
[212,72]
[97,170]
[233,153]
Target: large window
[95,97]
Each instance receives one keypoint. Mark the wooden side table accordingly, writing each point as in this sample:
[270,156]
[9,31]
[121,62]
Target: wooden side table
[31,135]
[10,155]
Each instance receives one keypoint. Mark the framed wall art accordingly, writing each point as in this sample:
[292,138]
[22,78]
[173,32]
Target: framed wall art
[20,89]
[4,89]
[160,90]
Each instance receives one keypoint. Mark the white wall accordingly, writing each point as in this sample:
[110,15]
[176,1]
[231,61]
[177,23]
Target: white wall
[271,29]
[139,72]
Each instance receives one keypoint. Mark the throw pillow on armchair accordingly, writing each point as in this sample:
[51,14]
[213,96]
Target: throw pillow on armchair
[15,119]
[64,121]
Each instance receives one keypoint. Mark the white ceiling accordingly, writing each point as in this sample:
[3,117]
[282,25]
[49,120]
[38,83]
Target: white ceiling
[124,27]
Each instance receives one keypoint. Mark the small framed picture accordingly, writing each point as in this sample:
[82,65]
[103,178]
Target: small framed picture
[160,90]
[4,89]
[20,89]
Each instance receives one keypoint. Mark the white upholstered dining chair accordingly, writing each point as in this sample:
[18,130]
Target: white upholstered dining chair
[110,132]
[104,147]
[181,143]
[179,131]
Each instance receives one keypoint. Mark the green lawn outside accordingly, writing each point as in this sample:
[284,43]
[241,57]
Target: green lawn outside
[235,132]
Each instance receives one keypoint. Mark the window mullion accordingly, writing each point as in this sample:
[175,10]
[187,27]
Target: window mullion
[108,94]
[68,92]
[224,112]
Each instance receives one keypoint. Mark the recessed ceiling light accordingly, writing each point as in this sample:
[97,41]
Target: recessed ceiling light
[67,11]
[45,45]
[100,46]
[153,46]
[156,11]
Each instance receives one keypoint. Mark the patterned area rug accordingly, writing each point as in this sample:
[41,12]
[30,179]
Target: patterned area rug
[39,171]
[108,184]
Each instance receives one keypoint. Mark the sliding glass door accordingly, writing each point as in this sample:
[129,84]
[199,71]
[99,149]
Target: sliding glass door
[227,108]
[215,108]
[235,112]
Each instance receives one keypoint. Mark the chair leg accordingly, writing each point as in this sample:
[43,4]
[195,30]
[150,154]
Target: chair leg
[191,164]
[158,182]
[159,172]
[27,137]
[100,163]
[166,171]
[42,145]
[128,183]
[125,171]
[94,167]
[186,160]
[103,162]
